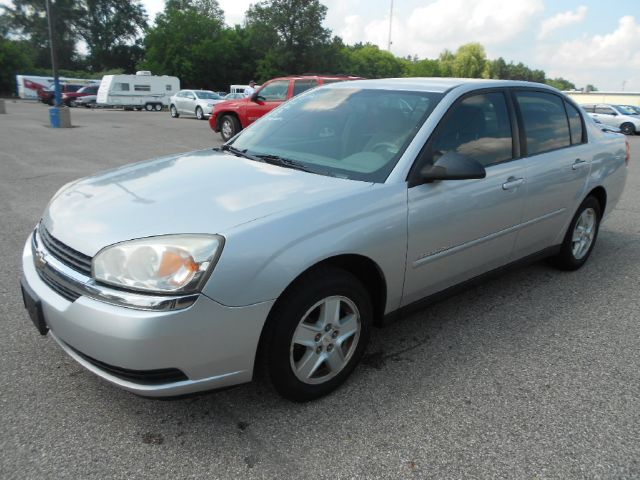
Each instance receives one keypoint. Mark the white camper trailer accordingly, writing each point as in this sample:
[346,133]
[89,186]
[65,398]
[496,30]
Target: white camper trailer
[139,91]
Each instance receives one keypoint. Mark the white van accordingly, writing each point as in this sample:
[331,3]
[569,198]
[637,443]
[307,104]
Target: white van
[138,91]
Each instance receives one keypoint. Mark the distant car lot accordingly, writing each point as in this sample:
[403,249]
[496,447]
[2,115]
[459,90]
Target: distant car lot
[533,374]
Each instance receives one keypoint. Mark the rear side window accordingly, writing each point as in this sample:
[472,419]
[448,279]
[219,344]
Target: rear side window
[300,86]
[477,127]
[575,124]
[545,122]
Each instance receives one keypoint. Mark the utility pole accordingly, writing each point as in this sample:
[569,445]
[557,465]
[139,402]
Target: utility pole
[54,57]
[390,23]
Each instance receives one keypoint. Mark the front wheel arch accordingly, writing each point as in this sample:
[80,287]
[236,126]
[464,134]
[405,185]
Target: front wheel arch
[367,271]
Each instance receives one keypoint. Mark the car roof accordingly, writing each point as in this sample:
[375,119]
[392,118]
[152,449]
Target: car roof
[437,84]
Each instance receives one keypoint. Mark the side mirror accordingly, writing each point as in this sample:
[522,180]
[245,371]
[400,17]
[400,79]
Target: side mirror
[453,166]
[255,97]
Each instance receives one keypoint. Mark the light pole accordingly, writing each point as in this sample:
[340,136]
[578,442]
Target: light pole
[390,23]
[58,117]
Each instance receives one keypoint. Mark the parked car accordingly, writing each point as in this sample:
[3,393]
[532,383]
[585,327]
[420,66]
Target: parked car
[615,115]
[86,101]
[230,117]
[233,96]
[193,102]
[70,98]
[46,95]
[277,252]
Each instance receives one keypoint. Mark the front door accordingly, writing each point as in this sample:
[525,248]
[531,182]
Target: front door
[459,229]
[269,97]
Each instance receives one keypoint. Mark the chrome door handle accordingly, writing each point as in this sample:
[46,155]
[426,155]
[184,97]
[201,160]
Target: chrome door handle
[512,182]
[578,164]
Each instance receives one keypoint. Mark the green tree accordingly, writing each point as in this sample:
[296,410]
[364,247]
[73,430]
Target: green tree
[496,69]
[445,62]
[197,48]
[16,56]
[469,61]
[371,62]
[289,33]
[560,83]
[423,68]
[112,30]
[27,20]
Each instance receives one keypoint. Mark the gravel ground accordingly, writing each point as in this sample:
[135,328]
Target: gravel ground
[535,374]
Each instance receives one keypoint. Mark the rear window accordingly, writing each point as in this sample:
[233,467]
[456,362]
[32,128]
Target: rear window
[300,86]
[545,121]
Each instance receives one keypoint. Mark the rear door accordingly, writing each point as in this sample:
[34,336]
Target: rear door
[459,229]
[558,160]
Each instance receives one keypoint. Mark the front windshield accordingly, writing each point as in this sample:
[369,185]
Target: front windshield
[347,132]
[207,95]
[623,109]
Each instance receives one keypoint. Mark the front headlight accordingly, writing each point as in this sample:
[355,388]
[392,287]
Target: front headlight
[164,264]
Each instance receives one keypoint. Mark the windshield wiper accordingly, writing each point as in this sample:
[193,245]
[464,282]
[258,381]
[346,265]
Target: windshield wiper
[285,162]
[240,153]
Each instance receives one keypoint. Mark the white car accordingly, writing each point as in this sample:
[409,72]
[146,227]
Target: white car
[193,102]
[618,116]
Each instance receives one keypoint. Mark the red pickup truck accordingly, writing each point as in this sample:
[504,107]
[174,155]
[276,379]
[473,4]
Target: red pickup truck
[231,116]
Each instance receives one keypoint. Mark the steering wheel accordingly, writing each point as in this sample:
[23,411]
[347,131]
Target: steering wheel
[384,147]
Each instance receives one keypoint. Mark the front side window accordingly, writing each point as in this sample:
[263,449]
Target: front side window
[121,87]
[478,127]
[353,133]
[624,110]
[275,91]
[546,126]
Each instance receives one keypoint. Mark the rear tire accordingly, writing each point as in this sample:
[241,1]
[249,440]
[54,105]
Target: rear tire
[317,334]
[229,127]
[148,107]
[581,236]
[157,107]
[628,128]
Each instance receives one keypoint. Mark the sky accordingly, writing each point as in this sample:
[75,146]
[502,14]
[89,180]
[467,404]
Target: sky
[588,41]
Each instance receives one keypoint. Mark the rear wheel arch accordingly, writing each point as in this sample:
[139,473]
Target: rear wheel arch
[601,195]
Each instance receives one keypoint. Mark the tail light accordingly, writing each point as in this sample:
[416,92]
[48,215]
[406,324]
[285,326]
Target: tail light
[628,156]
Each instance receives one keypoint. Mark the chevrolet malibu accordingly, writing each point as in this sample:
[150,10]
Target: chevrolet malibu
[276,253]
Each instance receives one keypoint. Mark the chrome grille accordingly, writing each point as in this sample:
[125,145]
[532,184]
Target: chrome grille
[65,254]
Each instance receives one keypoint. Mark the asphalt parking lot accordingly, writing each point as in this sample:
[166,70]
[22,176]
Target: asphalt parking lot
[535,374]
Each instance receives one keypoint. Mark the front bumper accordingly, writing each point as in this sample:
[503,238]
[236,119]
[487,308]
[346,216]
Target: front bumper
[213,345]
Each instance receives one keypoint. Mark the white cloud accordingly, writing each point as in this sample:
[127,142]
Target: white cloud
[449,23]
[351,32]
[562,20]
[602,60]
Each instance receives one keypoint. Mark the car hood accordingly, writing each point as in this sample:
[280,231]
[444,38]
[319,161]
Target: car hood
[199,192]
[233,104]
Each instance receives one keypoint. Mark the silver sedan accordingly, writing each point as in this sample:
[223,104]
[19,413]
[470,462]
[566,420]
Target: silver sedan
[277,253]
[198,103]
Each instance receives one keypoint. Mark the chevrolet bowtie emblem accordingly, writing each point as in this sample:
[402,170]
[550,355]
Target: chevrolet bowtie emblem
[40,260]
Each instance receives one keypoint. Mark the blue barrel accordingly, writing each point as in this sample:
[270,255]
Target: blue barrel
[54,117]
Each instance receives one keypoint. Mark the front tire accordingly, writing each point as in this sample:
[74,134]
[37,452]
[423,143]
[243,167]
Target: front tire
[628,128]
[229,127]
[174,112]
[581,236]
[317,334]
[148,107]
[199,113]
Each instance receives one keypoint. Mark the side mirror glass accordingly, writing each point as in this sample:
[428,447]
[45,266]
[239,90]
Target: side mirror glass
[255,97]
[453,166]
